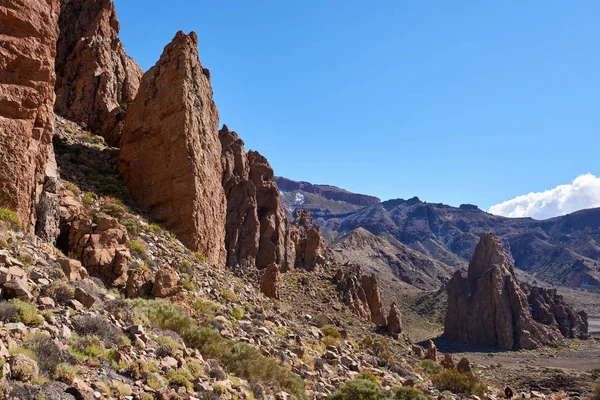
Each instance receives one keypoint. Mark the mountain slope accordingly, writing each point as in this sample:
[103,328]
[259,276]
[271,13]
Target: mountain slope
[562,251]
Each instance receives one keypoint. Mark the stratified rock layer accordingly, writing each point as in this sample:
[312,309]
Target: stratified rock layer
[28,34]
[488,307]
[170,151]
[96,80]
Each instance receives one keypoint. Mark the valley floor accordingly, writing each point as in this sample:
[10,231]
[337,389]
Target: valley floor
[571,368]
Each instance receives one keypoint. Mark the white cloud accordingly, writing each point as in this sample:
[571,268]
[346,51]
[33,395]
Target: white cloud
[583,192]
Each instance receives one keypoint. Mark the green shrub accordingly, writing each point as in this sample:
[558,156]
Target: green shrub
[180,377]
[88,346]
[97,325]
[11,218]
[132,225]
[359,389]
[89,198]
[66,373]
[61,291]
[369,376]
[331,332]
[409,393]
[137,248]
[167,346]
[229,295]
[114,210]
[8,312]
[48,354]
[26,313]
[199,257]
[238,313]
[455,382]
[596,390]
[137,369]
[238,358]
[430,367]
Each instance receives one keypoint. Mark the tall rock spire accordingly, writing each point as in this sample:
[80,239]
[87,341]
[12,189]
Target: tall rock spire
[170,152]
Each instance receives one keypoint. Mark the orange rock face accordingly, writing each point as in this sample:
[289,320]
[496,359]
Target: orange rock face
[257,229]
[96,80]
[270,281]
[170,152]
[310,246]
[362,295]
[28,34]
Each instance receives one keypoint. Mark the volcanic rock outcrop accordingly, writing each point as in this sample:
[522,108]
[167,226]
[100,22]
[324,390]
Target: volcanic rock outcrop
[361,294]
[270,281]
[257,232]
[549,308]
[96,80]
[310,246]
[170,153]
[488,307]
[28,34]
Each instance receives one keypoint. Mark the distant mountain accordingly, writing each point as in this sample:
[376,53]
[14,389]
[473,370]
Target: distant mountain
[561,251]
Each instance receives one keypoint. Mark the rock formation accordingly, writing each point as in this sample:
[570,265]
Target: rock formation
[310,246]
[394,321]
[166,283]
[270,281]
[28,34]
[170,152]
[256,231]
[549,308]
[102,248]
[488,307]
[275,245]
[96,80]
[362,295]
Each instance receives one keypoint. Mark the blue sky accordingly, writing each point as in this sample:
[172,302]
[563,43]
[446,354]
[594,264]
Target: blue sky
[455,102]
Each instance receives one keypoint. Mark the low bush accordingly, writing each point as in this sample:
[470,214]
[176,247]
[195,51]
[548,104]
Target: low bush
[88,346]
[47,352]
[455,382]
[330,331]
[430,367]
[596,390]
[121,309]
[114,210]
[8,312]
[132,225]
[137,248]
[166,346]
[97,325]
[10,218]
[238,358]
[180,377]
[66,373]
[409,393]
[359,389]
[26,313]
[61,291]
[137,369]
[89,198]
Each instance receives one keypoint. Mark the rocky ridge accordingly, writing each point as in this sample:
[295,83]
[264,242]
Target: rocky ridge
[96,79]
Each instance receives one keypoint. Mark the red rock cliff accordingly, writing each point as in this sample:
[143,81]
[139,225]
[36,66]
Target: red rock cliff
[96,80]
[28,34]
[170,152]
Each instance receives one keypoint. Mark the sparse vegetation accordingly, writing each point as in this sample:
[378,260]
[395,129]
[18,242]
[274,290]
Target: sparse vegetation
[89,198]
[430,367]
[238,358]
[330,331]
[456,382]
[180,377]
[229,295]
[409,393]
[137,248]
[596,390]
[97,325]
[359,389]
[61,291]
[10,218]
[26,313]
[66,373]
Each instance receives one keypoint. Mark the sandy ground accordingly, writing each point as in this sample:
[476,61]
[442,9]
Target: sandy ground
[571,368]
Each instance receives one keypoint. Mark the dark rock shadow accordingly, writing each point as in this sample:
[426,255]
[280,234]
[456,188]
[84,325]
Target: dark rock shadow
[446,345]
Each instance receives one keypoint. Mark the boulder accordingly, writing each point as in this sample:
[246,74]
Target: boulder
[463,366]
[73,269]
[27,54]
[270,281]
[102,248]
[23,368]
[166,283]
[96,80]
[84,298]
[170,153]
[139,283]
[17,288]
[489,307]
